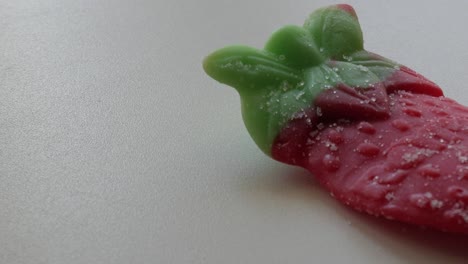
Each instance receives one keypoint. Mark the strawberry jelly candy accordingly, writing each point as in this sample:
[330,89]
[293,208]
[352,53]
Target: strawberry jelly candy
[380,137]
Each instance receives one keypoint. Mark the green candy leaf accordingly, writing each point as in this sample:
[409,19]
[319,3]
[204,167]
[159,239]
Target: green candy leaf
[248,69]
[295,47]
[297,64]
[336,30]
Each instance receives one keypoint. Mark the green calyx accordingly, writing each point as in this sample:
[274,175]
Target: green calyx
[297,64]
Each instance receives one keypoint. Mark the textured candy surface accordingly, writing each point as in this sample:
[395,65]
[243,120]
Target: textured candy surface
[411,166]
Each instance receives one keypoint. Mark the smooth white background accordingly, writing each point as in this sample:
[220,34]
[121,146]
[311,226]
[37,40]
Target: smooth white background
[115,147]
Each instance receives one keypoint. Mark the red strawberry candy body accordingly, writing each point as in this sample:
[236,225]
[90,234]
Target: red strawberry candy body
[411,166]
[380,137]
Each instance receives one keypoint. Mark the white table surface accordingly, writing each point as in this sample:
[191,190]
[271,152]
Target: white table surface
[115,147]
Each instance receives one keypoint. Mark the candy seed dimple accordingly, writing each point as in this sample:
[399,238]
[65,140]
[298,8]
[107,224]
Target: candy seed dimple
[454,126]
[366,127]
[335,137]
[394,177]
[331,146]
[406,95]
[368,149]
[419,200]
[429,171]
[407,102]
[439,112]
[412,111]
[415,157]
[331,162]
[458,192]
[425,200]
[429,102]
[401,124]
[461,109]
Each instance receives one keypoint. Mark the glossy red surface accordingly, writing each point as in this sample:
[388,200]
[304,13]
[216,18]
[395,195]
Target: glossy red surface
[408,163]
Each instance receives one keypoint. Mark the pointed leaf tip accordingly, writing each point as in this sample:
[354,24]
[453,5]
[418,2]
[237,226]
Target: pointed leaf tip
[248,69]
[336,30]
[296,46]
